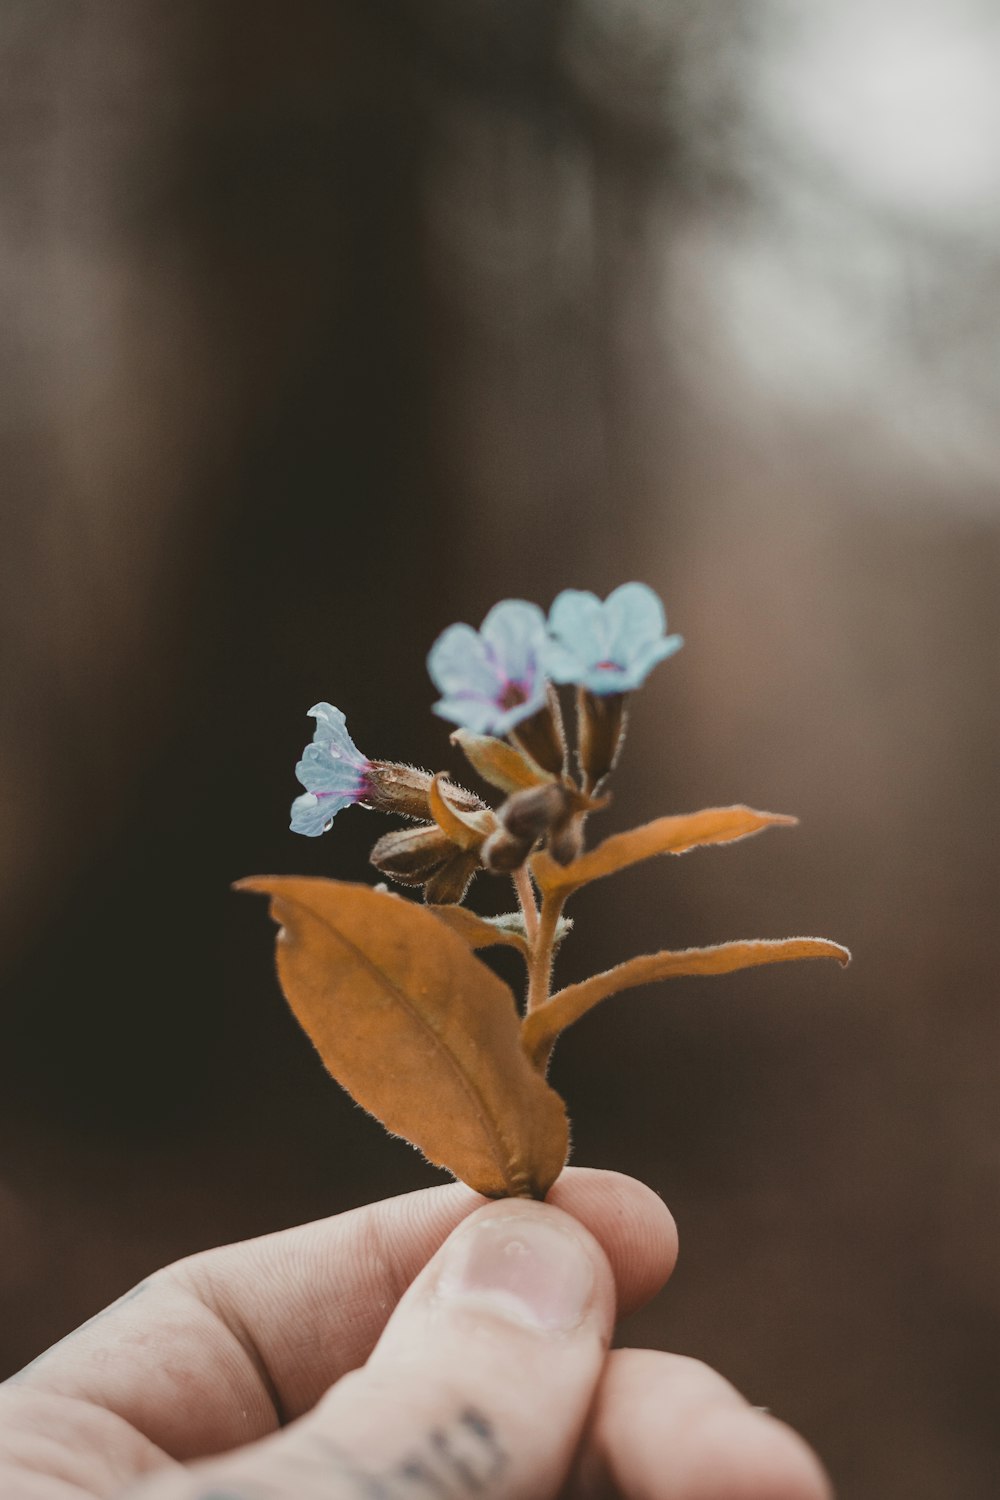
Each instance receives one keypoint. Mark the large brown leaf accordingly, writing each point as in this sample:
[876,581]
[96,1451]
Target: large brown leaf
[543,1025]
[715,825]
[418,1030]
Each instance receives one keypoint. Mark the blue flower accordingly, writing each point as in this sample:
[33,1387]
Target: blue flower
[610,647]
[493,678]
[333,772]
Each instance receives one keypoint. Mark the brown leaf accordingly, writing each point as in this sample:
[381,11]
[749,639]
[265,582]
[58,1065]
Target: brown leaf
[420,1032]
[715,825]
[543,1025]
[477,932]
[500,764]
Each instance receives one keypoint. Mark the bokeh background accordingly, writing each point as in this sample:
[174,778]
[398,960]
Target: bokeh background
[328,324]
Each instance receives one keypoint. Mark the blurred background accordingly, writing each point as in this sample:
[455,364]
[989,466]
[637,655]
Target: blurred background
[328,325]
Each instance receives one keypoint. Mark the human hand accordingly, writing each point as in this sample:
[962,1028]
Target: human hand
[424,1348]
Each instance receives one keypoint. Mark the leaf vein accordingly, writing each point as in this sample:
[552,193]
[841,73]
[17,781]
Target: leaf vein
[511,1171]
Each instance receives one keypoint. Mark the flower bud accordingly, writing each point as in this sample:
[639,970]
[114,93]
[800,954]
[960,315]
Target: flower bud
[566,841]
[542,813]
[395,788]
[543,736]
[426,856]
[503,853]
[412,855]
[450,883]
[601,725]
[532,813]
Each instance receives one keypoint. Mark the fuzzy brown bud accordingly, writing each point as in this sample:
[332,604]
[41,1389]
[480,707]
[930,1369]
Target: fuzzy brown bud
[601,725]
[543,736]
[566,841]
[405,790]
[531,814]
[541,813]
[426,856]
[503,853]
[412,855]
[449,885]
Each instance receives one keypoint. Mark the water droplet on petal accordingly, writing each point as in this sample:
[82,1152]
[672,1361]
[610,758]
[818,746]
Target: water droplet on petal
[328,825]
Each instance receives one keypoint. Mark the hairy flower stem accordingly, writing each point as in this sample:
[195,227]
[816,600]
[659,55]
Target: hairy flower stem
[526,900]
[540,964]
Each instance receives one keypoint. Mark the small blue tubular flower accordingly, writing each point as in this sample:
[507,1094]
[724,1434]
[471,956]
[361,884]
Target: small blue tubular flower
[494,678]
[610,647]
[333,772]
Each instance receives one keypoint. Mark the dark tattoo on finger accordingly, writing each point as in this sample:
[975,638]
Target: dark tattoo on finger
[459,1459]
[472,1453]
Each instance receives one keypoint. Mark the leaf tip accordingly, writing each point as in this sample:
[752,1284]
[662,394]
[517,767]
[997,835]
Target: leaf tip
[781,820]
[257,885]
[826,948]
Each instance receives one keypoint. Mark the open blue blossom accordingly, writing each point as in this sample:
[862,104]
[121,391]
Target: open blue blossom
[333,772]
[494,678]
[610,647]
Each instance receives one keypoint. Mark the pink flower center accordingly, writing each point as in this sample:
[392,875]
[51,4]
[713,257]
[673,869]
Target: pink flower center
[512,695]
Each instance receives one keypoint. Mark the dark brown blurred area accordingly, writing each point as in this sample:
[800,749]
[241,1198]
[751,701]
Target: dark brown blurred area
[327,325]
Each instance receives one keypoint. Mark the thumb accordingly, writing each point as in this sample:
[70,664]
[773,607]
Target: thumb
[481,1381]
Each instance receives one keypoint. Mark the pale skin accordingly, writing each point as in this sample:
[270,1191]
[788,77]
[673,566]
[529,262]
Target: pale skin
[430,1347]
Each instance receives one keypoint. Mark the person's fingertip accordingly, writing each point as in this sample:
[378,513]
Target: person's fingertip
[630,1221]
[756,1454]
[520,1265]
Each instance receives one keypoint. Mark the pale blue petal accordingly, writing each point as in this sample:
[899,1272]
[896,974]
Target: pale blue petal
[514,635]
[321,771]
[650,656]
[475,669]
[331,731]
[610,647]
[625,679]
[577,621]
[602,681]
[312,815]
[635,618]
[562,664]
[477,714]
[458,662]
[332,762]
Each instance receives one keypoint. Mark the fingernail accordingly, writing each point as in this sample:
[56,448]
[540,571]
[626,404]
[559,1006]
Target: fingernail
[521,1268]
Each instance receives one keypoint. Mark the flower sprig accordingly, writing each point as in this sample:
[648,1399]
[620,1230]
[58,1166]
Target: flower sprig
[403,1013]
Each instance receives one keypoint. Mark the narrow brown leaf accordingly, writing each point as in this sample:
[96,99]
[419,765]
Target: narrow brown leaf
[418,1030]
[715,825]
[542,1026]
[477,932]
[500,764]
